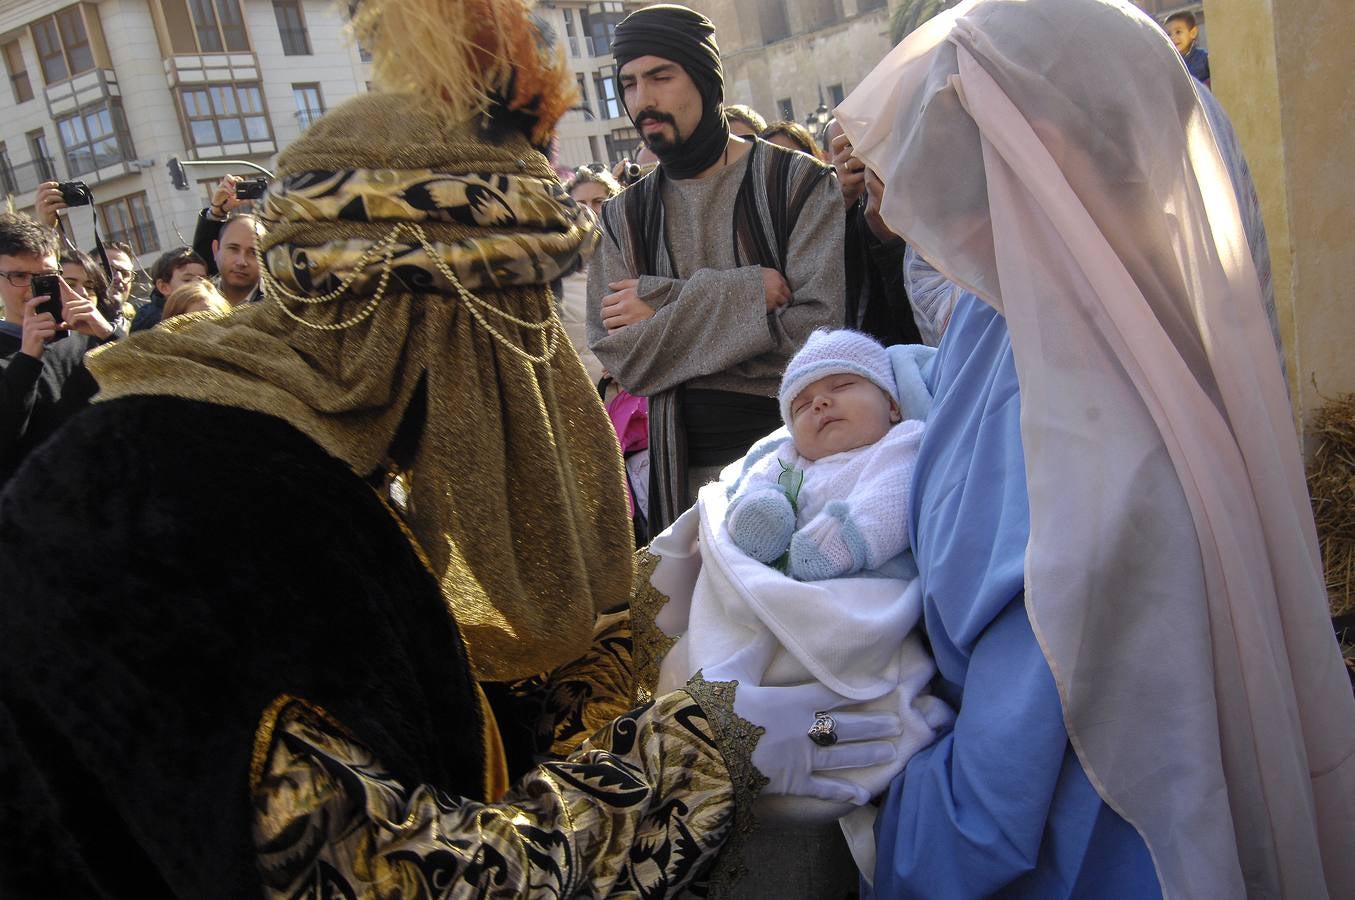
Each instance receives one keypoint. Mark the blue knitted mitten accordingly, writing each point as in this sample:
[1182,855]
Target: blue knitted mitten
[761,523]
[828,547]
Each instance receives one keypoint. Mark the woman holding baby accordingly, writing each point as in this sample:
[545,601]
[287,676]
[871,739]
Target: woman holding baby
[1120,581]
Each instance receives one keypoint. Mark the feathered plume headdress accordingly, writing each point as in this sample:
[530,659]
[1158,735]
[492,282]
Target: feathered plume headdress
[487,59]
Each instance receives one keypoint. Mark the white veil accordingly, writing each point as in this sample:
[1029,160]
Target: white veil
[1052,157]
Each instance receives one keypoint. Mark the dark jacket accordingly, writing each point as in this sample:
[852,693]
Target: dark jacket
[877,301]
[38,395]
[206,233]
[149,315]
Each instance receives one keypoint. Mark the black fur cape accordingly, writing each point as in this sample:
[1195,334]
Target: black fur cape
[167,569]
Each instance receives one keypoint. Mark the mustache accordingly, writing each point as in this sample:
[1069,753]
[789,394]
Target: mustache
[653,115]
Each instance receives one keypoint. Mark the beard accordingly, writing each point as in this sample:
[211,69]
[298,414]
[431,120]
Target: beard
[658,142]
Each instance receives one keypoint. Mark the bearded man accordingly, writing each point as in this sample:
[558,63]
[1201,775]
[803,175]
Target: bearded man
[714,268]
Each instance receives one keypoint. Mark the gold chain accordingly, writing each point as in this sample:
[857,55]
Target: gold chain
[549,328]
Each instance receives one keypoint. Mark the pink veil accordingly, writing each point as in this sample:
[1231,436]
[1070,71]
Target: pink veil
[1052,157]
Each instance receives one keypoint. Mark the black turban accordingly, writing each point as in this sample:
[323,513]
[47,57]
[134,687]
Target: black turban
[688,39]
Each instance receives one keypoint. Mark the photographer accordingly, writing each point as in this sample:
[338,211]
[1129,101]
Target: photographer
[228,247]
[629,170]
[48,201]
[43,380]
[87,278]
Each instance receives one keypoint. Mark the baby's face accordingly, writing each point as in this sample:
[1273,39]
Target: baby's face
[838,413]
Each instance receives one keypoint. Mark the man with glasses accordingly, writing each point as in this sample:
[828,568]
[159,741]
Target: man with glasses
[43,380]
[121,277]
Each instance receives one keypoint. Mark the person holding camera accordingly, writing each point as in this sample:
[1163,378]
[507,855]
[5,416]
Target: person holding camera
[47,330]
[48,202]
[225,237]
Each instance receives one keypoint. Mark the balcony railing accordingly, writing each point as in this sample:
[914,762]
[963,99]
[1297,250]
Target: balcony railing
[23,179]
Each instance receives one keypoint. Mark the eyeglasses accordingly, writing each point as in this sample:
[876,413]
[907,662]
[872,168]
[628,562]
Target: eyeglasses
[595,167]
[24,279]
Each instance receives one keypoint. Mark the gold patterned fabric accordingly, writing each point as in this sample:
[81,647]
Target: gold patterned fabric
[576,699]
[641,810]
[406,263]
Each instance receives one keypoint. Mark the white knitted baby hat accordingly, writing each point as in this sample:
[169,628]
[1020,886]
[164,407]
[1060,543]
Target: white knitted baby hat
[830,352]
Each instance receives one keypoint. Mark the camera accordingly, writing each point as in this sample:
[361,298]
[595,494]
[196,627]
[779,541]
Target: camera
[251,188]
[50,286]
[75,193]
[632,172]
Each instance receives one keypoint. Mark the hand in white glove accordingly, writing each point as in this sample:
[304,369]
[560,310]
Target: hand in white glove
[794,764]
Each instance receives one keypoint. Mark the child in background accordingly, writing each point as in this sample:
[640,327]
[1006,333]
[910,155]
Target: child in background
[1184,31]
[197,295]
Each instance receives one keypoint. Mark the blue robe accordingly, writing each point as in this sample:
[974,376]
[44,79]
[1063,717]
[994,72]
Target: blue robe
[1000,805]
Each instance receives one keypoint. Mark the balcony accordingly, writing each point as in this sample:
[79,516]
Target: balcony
[21,181]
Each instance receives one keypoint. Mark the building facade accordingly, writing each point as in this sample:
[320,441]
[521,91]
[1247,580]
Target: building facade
[797,59]
[597,130]
[107,92]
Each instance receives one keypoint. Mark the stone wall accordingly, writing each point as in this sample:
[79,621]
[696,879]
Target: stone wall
[1284,72]
[798,67]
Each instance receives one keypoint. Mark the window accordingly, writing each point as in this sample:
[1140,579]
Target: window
[63,45]
[129,219]
[823,12]
[73,37]
[571,32]
[609,105]
[599,23]
[309,106]
[835,94]
[225,114]
[8,183]
[18,74]
[50,54]
[363,52]
[775,20]
[217,25]
[621,143]
[582,84]
[291,28]
[868,5]
[42,157]
[91,138]
[786,109]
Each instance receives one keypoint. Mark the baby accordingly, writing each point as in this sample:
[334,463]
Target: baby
[833,501]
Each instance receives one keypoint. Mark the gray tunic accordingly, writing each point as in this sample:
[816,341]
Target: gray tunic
[711,328]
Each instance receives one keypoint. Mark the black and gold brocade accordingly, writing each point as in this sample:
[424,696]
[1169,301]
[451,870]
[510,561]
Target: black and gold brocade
[640,810]
[568,704]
